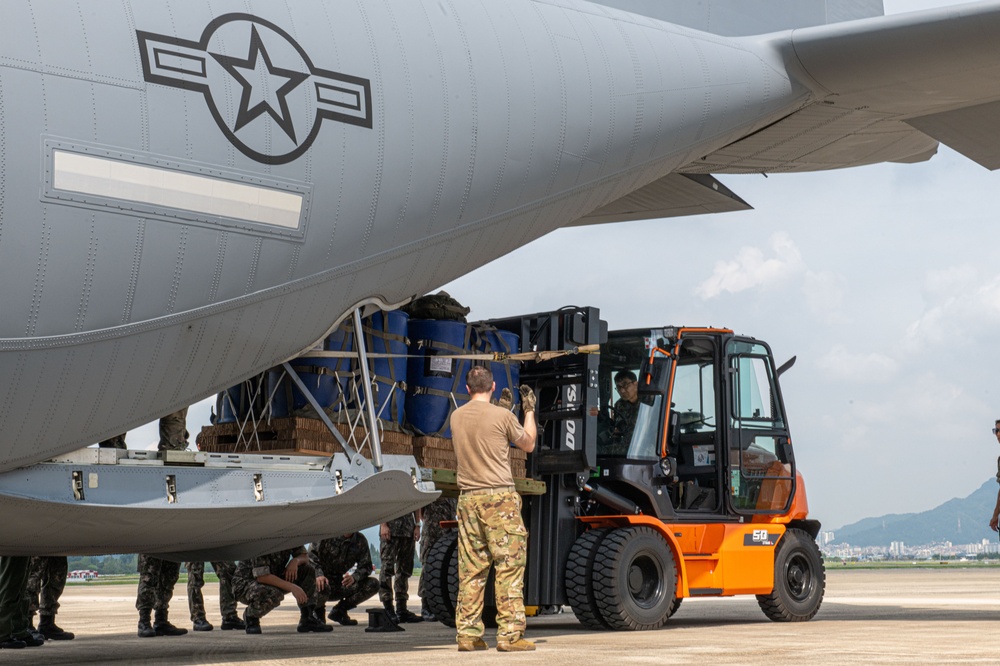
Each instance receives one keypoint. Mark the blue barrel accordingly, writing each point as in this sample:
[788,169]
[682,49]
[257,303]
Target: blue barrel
[237,402]
[432,381]
[505,374]
[318,376]
[385,333]
[232,404]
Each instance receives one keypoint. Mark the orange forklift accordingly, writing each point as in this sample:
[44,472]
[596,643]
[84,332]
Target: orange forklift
[669,473]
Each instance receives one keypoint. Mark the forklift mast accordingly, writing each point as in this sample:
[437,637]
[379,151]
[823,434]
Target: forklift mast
[567,412]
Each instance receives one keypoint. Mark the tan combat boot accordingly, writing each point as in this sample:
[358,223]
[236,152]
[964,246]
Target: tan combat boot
[470,644]
[520,645]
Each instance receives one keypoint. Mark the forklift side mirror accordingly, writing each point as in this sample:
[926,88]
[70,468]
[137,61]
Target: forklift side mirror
[654,376]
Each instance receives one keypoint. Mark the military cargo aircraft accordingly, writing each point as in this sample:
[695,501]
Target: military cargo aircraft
[193,192]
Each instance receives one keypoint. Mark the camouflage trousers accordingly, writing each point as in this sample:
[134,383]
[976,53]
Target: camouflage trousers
[46,582]
[156,583]
[14,616]
[196,581]
[397,567]
[261,599]
[116,442]
[173,431]
[491,531]
[351,596]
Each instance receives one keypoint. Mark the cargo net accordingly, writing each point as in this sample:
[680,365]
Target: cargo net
[416,369]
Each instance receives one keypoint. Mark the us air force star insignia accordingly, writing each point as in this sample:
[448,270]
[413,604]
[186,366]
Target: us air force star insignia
[260,86]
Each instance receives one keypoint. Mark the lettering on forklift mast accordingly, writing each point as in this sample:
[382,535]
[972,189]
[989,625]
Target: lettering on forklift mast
[571,435]
[759,538]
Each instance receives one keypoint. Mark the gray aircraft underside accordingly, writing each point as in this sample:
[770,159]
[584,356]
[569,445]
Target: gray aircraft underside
[192,192]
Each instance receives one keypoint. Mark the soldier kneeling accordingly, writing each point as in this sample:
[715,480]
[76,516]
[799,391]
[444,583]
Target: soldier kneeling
[343,571]
[262,582]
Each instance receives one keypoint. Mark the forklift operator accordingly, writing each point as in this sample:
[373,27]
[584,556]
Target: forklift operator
[625,411]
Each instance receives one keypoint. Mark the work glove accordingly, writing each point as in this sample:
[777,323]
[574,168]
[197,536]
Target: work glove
[527,398]
[506,399]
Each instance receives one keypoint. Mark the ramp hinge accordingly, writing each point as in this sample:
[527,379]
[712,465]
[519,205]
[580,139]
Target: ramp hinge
[258,487]
[77,485]
[171,489]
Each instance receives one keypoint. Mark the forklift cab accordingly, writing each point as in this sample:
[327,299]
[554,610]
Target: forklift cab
[722,446]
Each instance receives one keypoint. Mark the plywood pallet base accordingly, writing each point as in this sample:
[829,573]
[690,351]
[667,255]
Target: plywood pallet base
[304,436]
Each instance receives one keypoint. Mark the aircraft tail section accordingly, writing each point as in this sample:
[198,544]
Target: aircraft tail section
[736,18]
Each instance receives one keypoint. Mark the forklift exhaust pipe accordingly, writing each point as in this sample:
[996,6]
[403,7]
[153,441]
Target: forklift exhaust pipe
[612,499]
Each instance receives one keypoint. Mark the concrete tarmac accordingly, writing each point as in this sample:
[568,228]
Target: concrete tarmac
[919,616]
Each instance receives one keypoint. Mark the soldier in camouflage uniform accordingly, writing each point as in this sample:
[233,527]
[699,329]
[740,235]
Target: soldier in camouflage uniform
[490,527]
[626,410]
[46,582]
[227,602]
[443,508]
[398,539]
[116,442]
[262,582]
[333,559]
[156,587]
[157,577]
[173,434]
[15,620]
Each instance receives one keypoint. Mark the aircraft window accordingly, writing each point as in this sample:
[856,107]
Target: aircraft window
[693,397]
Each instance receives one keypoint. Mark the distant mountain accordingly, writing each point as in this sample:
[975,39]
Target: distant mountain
[964,520]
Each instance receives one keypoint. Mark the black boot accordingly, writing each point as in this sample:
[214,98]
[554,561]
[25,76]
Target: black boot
[233,622]
[47,627]
[405,616]
[389,612]
[319,613]
[162,625]
[340,616]
[201,624]
[426,613]
[308,621]
[36,636]
[252,623]
[145,626]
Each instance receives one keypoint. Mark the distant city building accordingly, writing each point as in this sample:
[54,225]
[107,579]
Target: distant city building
[82,574]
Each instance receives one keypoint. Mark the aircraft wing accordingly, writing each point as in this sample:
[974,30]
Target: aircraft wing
[674,195]
[885,89]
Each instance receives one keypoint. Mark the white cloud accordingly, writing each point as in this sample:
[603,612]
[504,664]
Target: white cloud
[961,305]
[752,269]
[857,367]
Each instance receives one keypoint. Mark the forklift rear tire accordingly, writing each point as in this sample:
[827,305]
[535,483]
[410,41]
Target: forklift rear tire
[441,582]
[799,579]
[634,579]
[580,578]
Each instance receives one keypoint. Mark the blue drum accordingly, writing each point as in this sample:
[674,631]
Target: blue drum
[385,333]
[435,381]
[324,377]
[506,374]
